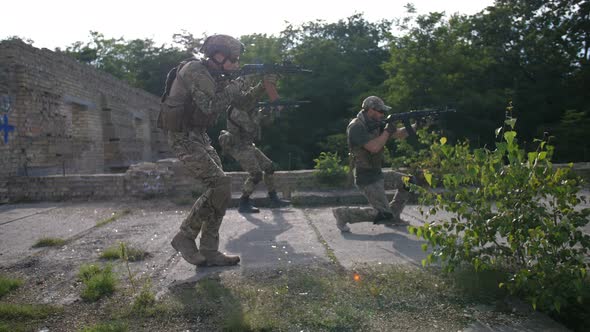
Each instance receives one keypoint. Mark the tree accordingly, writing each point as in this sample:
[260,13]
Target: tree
[542,47]
[139,62]
[345,58]
[533,53]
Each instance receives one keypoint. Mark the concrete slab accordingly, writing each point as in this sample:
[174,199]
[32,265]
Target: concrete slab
[274,239]
[12,212]
[368,243]
[271,239]
[22,225]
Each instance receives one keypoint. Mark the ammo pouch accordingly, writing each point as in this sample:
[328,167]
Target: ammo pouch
[173,115]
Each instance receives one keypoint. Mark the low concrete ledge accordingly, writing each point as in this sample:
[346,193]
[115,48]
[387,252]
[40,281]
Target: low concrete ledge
[167,177]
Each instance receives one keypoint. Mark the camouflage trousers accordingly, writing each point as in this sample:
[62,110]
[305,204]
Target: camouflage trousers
[375,194]
[256,163]
[194,150]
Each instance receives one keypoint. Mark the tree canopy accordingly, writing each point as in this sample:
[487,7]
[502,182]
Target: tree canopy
[534,54]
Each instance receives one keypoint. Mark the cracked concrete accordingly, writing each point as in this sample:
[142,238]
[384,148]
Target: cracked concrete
[273,239]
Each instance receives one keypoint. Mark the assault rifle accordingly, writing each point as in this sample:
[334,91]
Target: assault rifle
[285,103]
[262,69]
[416,115]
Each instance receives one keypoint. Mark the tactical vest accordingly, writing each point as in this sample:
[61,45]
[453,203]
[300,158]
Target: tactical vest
[177,110]
[363,159]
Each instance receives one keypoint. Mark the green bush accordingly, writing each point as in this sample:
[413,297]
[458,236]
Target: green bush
[509,209]
[329,168]
[414,157]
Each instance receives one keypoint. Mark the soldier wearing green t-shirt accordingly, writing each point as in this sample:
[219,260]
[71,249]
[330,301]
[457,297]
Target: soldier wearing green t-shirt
[366,141]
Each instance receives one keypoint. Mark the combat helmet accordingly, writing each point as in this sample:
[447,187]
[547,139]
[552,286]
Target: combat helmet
[227,45]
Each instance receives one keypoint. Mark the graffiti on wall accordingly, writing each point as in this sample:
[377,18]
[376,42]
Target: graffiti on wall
[5,108]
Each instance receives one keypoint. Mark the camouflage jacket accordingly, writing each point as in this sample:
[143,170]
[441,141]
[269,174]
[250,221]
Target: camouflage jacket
[245,126]
[196,98]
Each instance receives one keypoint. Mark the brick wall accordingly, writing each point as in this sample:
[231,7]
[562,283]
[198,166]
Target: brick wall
[68,117]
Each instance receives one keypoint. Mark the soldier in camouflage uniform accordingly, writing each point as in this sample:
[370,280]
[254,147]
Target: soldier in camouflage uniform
[193,100]
[366,140]
[243,128]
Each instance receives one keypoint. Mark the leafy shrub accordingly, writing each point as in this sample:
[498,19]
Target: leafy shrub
[417,156]
[511,209]
[329,168]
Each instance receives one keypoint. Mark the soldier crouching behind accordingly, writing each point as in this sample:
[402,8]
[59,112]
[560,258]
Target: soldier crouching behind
[243,128]
[195,95]
[366,141]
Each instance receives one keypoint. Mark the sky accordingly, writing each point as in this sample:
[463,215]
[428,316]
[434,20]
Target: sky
[59,23]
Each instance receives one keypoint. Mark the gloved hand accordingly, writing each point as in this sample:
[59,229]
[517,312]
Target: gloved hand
[233,89]
[390,128]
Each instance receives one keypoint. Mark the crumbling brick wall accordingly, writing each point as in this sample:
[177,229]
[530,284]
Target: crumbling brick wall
[60,116]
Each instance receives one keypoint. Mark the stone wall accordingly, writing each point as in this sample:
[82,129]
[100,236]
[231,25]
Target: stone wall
[60,116]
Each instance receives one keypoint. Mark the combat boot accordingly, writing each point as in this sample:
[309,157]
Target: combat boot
[187,248]
[246,206]
[388,219]
[341,219]
[275,201]
[383,218]
[219,259]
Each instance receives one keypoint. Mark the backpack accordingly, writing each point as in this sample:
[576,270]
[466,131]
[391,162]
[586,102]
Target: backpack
[171,76]
[171,116]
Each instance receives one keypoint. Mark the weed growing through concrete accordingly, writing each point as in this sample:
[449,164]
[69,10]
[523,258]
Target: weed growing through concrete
[111,253]
[115,216]
[98,282]
[107,327]
[49,242]
[145,303]
[115,252]
[26,312]
[8,284]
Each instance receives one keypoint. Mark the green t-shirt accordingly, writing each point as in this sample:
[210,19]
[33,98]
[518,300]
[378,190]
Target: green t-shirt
[358,135]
